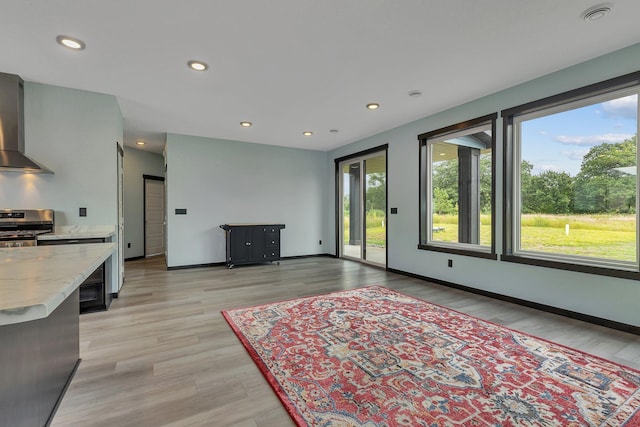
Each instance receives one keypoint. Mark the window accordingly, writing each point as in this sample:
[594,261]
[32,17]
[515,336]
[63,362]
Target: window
[571,180]
[456,188]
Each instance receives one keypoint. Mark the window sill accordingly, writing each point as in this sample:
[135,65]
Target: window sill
[589,269]
[459,251]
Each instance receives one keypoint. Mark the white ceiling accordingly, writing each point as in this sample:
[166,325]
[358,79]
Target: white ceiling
[295,65]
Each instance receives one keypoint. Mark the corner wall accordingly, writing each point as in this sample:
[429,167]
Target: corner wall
[220,181]
[600,296]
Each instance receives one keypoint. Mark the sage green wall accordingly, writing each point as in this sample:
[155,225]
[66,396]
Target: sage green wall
[600,296]
[220,182]
[73,133]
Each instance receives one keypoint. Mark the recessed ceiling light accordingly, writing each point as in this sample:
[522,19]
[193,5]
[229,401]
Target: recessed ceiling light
[373,106]
[597,12]
[70,42]
[246,124]
[140,142]
[307,133]
[415,93]
[197,65]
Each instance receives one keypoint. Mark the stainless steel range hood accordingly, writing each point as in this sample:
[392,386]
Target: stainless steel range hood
[12,157]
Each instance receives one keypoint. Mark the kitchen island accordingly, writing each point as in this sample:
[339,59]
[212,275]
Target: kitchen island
[39,326]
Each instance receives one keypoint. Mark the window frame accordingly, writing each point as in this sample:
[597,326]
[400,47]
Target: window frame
[425,192]
[586,95]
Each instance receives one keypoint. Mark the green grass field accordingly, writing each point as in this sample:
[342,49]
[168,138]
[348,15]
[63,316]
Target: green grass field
[602,236]
[376,229]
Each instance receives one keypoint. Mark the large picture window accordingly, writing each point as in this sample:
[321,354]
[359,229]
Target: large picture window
[456,188]
[571,166]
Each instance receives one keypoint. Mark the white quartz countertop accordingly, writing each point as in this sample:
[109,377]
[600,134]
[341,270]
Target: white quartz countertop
[80,232]
[34,281]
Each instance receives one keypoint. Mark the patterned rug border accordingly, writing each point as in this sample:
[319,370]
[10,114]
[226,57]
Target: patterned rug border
[266,373]
[279,390]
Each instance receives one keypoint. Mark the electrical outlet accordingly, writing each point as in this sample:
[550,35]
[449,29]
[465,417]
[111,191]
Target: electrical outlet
[129,245]
[82,212]
[450,263]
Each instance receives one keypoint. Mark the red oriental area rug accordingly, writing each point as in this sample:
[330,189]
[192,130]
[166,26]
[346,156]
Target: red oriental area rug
[373,357]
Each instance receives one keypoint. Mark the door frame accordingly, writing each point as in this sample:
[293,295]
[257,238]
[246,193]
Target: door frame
[120,218]
[381,149]
[144,212]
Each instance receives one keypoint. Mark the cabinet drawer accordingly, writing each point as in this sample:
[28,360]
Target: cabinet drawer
[271,240]
[272,254]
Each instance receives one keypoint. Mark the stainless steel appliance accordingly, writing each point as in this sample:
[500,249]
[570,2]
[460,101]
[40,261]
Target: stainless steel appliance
[12,157]
[21,227]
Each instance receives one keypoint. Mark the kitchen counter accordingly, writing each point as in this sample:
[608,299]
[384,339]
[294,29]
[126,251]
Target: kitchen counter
[34,281]
[40,326]
[80,232]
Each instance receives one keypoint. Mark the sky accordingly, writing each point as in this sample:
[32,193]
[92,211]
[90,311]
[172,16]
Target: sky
[559,142]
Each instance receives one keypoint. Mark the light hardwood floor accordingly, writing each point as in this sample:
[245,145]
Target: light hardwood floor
[164,356]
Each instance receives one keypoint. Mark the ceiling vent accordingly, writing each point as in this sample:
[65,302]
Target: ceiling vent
[596,12]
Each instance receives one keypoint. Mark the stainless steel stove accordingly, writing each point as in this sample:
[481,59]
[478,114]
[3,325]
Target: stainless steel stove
[21,227]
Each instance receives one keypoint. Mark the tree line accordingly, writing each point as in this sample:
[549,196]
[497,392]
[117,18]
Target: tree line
[599,187]
[376,194]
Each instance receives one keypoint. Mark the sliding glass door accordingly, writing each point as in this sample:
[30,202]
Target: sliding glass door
[351,210]
[363,207]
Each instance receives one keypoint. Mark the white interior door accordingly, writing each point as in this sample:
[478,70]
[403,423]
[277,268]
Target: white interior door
[154,217]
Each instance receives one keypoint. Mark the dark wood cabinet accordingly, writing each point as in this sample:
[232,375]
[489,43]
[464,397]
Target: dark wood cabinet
[93,292]
[252,243]
[38,359]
